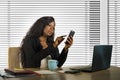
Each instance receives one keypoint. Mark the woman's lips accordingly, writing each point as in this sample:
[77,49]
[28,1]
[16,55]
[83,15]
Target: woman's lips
[50,33]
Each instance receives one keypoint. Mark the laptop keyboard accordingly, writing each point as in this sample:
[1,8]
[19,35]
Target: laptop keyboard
[86,68]
[82,68]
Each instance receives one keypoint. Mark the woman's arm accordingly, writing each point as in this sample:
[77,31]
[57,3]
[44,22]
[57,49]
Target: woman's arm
[61,58]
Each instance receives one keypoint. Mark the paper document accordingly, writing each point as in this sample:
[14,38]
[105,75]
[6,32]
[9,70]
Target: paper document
[45,72]
[4,74]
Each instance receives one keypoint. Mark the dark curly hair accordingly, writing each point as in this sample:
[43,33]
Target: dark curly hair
[36,31]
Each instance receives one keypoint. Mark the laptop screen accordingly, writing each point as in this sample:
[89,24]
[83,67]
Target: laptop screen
[101,57]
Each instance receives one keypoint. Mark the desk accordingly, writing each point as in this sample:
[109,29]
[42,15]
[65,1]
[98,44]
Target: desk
[112,73]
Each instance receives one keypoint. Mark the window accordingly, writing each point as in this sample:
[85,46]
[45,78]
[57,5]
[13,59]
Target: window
[114,30]
[3,33]
[83,16]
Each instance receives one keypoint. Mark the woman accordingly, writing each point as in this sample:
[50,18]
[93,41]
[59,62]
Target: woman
[39,43]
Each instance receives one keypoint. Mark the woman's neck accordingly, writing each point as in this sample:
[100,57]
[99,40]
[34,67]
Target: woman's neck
[43,38]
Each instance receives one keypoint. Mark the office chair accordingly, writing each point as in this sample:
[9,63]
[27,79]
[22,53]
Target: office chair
[44,62]
[14,58]
[15,62]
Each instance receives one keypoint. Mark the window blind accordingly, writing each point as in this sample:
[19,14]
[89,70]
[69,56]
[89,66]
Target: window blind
[3,33]
[81,16]
[114,30]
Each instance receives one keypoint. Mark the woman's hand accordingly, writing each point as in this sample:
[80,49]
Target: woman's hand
[58,40]
[68,43]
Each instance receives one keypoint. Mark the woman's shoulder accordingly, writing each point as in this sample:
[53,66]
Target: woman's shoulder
[31,40]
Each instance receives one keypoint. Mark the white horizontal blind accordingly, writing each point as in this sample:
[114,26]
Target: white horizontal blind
[87,34]
[114,30]
[3,33]
[82,16]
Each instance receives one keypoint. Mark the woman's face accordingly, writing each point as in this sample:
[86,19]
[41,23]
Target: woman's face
[49,29]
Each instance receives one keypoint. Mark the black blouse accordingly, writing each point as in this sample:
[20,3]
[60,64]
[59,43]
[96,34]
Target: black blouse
[32,53]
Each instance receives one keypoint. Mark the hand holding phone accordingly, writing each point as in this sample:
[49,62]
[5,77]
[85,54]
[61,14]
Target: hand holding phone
[71,34]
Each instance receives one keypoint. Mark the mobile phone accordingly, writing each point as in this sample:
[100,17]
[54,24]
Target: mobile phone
[73,71]
[71,34]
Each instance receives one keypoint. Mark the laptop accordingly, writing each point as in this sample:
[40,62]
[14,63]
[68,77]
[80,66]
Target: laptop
[101,59]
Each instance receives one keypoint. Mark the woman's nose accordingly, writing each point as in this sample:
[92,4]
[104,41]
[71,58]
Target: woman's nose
[52,29]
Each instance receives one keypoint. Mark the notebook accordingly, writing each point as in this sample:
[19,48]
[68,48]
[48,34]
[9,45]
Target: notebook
[101,59]
[20,72]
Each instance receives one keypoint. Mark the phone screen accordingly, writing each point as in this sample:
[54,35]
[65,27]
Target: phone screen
[71,33]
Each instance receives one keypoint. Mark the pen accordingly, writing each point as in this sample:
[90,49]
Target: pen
[63,36]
